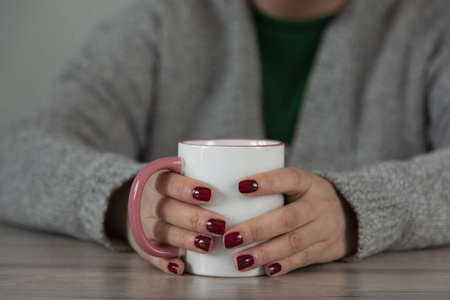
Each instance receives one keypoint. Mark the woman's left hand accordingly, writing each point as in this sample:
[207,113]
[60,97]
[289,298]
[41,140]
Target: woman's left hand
[315,225]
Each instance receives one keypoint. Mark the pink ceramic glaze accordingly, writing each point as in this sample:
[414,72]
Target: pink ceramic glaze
[173,164]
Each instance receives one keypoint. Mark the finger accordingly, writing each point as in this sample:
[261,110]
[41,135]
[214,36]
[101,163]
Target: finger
[168,265]
[317,253]
[165,233]
[182,188]
[189,216]
[274,223]
[289,181]
[279,247]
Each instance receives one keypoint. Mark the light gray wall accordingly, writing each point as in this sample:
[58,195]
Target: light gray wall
[37,37]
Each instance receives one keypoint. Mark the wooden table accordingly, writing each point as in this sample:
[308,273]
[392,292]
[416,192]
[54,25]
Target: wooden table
[36,265]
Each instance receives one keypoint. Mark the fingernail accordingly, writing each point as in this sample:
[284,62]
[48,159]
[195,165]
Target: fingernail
[173,267]
[201,193]
[274,268]
[216,226]
[202,242]
[245,261]
[233,239]
[248,186]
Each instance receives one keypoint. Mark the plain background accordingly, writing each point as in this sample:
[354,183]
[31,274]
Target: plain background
[37,37]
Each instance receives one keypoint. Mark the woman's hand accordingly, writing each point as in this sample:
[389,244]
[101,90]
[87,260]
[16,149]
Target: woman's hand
[170,214]
[315,225]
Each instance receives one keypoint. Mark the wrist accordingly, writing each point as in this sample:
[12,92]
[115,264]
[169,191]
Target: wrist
[351,226]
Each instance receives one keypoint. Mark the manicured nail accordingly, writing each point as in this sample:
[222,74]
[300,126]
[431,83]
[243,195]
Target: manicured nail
[202,242]
[216,226]
[274,268]
[201,193]
[173,267]
[233,239]
[248,186]
[245,261]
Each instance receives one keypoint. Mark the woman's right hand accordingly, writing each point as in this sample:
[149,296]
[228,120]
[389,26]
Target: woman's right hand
[171,214]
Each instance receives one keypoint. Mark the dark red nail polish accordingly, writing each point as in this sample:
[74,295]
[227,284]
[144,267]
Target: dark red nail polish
[245,261]
[274,268]
[201,193]
[202,242]
[173,267]
[248,186]
[216,226]
[233,239]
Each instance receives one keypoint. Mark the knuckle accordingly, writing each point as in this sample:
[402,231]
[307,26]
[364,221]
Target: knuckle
[254,232]
[266,183]
[306,258]
[193,221]
[181,239]
[157,229]
[172,185]
[289,264]
[160,209]
[160,181]
[264,256]
[290,218]
[295,242]
[295,176]
[180,190]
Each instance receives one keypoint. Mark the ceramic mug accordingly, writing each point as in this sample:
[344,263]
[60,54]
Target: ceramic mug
[221,163]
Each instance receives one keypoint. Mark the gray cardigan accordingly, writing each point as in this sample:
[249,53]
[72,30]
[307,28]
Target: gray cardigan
[375,119]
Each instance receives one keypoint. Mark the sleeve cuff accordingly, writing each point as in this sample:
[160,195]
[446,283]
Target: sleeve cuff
[107,174]
[380,214]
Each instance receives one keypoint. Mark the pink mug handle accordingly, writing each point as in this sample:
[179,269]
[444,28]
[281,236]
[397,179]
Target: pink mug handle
[173,164]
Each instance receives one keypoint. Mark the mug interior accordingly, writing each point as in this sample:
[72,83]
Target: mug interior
[233,143]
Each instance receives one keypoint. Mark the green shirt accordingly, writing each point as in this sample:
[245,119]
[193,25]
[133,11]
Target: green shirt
[287,50]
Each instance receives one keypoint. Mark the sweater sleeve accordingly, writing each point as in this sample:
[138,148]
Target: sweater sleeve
[60,165]
[404,205]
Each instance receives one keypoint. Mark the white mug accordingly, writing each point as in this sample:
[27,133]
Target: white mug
[221,163]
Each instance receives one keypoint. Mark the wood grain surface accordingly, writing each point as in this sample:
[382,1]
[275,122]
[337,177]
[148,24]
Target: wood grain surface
[35,265]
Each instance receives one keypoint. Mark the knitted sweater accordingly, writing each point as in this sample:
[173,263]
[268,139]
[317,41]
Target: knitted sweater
[375,119]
